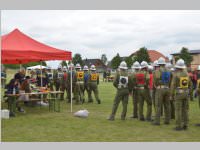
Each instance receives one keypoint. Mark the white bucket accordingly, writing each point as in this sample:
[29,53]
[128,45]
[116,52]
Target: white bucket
[5,113]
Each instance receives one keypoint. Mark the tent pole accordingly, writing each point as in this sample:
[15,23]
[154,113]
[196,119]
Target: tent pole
[20,67]
[71,87]
[41,72]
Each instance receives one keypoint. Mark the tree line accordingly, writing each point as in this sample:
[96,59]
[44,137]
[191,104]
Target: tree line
[140,55]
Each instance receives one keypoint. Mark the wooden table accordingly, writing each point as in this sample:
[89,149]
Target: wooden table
[53,100]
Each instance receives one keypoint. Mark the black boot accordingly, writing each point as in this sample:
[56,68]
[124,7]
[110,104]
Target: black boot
[167,123]
[99,102]
[198,124]
[185,127]
[11,114]
[142,119]
[155,124]
[178,129]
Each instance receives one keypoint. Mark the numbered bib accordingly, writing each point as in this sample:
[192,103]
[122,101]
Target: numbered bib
[123,81]
[94,77]
[60,75]
[140,79]
[50,75]
[184,82]
[80,75]
[165,77]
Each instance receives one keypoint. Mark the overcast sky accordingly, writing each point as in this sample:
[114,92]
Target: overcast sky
[92,33]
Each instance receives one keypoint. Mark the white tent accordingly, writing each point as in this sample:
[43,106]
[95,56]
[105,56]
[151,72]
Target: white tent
[36,67]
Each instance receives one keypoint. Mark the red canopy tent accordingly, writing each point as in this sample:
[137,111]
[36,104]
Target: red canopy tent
[18,48]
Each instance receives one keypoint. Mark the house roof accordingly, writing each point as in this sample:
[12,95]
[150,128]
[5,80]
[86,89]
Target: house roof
[123,58]
[96,62]
[190,51]
[154,55]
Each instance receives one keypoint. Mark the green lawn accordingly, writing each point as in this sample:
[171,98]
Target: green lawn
[38,124]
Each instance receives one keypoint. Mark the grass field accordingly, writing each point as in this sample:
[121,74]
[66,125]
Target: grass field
[38,124]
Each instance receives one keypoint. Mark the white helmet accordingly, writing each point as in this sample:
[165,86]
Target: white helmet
[123,65]
[85,68]
[198,68]
[172,69]
[155,63]
[168,65]
[93,68]
[78,66]
[144,64]
[180,64]
[71,66]
[136,65]
[161,61]
[65,68]
[150,68]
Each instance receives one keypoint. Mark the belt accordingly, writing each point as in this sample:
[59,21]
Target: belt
[181,90]
[140,88]
[162,87]
[80,82]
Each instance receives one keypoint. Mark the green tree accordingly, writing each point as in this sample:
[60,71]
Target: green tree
[12,66]
[17,66]
[142,55]
[63,63]
[129,61]
[115,62]
[185,55]
[44,63]
[176,58]
[77,59]
[104,58]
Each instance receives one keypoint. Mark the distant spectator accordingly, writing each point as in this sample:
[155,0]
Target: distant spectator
[20,75]
[11,87]
[25,88]
[104,76]
[42,79]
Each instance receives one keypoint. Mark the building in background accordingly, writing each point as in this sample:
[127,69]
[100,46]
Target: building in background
[100,66]
[196,58]
[153,54]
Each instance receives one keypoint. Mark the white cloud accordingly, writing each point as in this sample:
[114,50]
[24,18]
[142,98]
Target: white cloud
[93,32]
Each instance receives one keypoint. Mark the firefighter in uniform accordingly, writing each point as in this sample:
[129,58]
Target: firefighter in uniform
[58,75]
[156,67]
[141,85]
[121,83]
[172,101]
[172,104]
[50,76]
[94,82]
[181,83]
[136,67]
[191,78]
[64,83]
[86,83]
[71,67]
[151,89]
[79,88]
[198,89]
[162,80]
